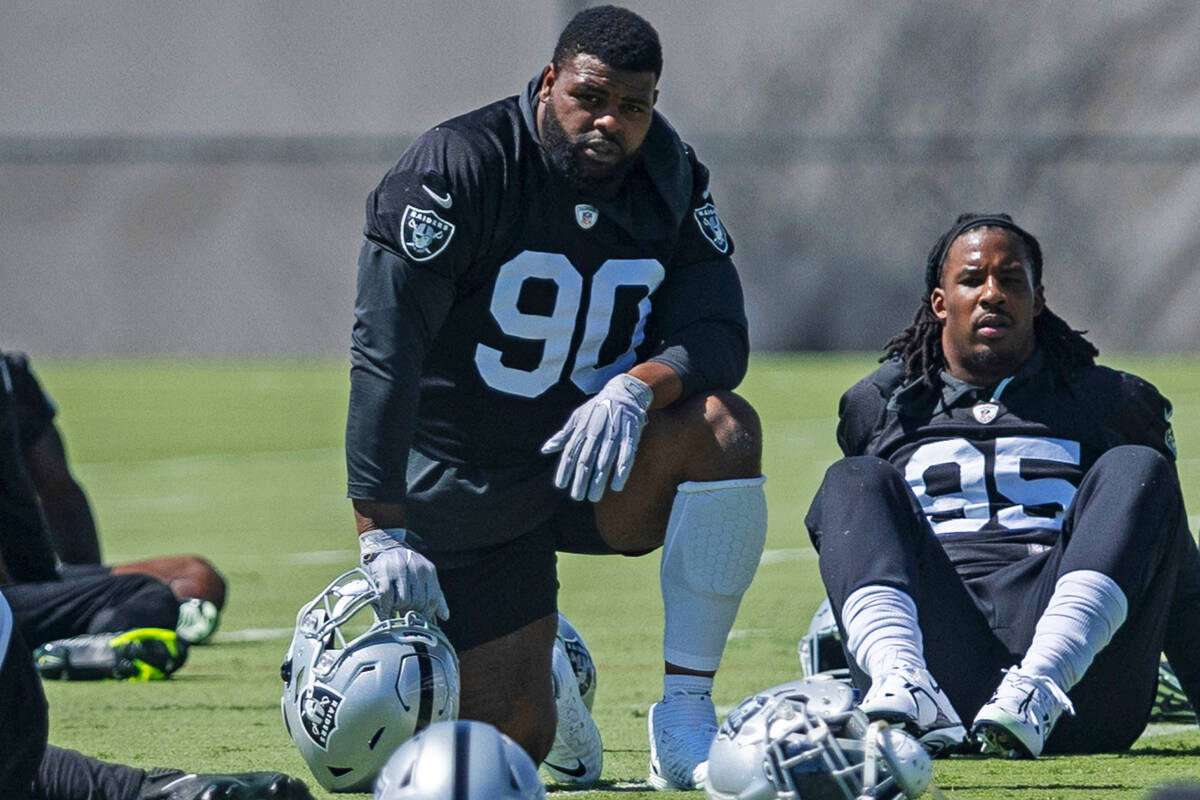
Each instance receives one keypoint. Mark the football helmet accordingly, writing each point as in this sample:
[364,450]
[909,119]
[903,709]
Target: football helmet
[820,649]
[463,760]
[805,739]
[357,685]
[581,659]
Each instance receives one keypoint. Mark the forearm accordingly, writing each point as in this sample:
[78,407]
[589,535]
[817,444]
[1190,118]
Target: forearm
[72,527]
[370,514]
[663,380]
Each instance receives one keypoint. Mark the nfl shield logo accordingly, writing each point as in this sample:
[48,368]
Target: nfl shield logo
[423,233]
[318,713]
[711,227]
[985,412]
[586,215]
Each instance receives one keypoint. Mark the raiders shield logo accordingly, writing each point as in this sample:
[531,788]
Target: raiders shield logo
[423,233]
[586,215]
[318,713]
[711,227]
[985,412]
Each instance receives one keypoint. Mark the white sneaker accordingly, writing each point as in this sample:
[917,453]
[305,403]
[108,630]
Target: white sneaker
[198,620]
[1019,717]
[912,699]
[577,755]
[682,727]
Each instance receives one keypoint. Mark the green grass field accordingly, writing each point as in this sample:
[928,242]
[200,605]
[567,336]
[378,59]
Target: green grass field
[240,460]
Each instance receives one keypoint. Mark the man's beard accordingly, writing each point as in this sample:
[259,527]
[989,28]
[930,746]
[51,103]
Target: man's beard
[566,158]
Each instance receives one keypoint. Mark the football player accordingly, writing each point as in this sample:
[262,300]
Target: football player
[198,588]
[548,326]
[1005,539]
[29,768]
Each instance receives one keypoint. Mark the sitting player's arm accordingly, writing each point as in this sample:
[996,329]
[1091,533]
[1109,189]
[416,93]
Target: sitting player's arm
[68,513]
[863,407]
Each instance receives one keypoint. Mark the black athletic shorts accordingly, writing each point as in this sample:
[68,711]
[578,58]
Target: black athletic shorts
[493,533]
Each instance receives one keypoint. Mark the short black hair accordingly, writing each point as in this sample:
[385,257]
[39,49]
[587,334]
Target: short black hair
[615,35]
[920,344]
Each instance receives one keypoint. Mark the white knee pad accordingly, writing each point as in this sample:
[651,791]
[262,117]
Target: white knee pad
[713,544]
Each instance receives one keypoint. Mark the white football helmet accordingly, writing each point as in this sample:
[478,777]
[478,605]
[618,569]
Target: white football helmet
[463,760]
[356,685]
[820,649]
[805,739]
[581,659]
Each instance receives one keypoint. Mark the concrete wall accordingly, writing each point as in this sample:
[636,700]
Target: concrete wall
[189,178]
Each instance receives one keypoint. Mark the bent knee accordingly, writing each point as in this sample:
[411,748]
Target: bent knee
[728,433]
[1136,460]
[865,473]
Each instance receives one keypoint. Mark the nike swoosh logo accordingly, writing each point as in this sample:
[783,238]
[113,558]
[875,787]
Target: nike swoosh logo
[442,200]
[578,771]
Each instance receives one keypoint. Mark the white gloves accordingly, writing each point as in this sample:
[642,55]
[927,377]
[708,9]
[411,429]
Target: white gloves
[601,433]
[406,580]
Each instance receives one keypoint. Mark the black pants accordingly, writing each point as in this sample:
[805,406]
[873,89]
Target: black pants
[1126,521]
[98,603]
[29,768]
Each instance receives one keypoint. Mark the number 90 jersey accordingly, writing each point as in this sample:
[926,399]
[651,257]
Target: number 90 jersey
[493,298]
[994,475]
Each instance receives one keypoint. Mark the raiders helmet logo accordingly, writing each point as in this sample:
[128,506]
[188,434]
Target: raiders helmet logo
[586,215]
[985,412]
[423,233]
[318,713]
[711,227]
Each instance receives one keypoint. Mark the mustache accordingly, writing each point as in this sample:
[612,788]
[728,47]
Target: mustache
[989,317]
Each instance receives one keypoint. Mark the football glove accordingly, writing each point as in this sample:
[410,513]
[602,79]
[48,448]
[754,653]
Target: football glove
[404,579]
[601,438]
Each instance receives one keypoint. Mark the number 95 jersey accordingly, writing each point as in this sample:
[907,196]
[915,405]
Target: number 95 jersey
[493,297]
[995,470]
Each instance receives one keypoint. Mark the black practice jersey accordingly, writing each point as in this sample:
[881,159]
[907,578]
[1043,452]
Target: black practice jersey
[995,468]
[24,539]
[33,407]
[493,298]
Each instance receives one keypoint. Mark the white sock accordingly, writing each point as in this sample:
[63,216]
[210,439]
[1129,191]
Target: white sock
[712,547]
[689,684]
[882,630]
[1084,612]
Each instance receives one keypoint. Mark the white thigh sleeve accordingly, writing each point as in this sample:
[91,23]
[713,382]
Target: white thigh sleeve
[712,547]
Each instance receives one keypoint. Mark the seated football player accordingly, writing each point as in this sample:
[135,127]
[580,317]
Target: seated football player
[198,588]
[89,626]
[548,329]
[30,769]
[1005,539]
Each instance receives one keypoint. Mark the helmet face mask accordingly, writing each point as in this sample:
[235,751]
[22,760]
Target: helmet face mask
[820,649]
[806,739]
[357,685]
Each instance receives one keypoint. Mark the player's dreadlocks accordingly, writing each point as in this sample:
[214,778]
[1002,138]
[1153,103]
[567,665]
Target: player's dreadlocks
[616,36]
[920,344]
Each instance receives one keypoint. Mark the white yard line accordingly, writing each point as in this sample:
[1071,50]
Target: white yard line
[787,554]
[253,635]
[211,457]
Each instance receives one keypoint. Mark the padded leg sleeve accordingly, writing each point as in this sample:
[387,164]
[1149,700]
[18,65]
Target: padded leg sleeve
[713,544]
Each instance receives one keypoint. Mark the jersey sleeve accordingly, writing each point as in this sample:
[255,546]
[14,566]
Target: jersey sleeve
[699,311]
[863,407]
[33,408]
[422,224]
[1144,416]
